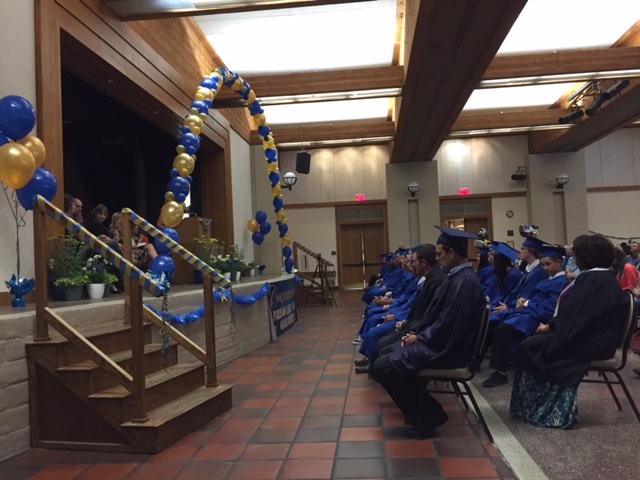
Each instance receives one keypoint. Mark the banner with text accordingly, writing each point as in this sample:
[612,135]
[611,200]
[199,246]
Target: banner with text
[282,306]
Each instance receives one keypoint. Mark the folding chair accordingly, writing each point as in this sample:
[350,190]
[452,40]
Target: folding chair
[459,377]
[616,363]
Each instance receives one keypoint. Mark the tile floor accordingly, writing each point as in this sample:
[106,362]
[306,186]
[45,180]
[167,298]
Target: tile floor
[299,412]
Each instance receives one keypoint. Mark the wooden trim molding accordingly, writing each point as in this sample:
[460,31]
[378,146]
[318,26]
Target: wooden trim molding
[621,188]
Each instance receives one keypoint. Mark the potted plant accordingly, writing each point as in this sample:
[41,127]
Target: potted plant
[100,280]
[249,269]
[236,256]
[209,250]
[67,265]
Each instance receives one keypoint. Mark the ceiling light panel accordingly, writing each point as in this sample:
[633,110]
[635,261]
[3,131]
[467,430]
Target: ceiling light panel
[329,37]
[548,25]
[528,96]
[327,111]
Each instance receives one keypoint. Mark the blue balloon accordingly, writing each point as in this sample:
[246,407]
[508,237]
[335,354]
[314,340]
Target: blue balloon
[163,264]
[160,247]
[200,106]
[185,130]
[288,265]
[17,117]
[181,197]
[257,238]
[283,228]
[286,252]
[208,83]
[270,153]
[274,178]
[278,203]
[178,185]
[42,183]
[189,179]
[174,173]
[3,139]
[265,227]
[189,142]
[261,216]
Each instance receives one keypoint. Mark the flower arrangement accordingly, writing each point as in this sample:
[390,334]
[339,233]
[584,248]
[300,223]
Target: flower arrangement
[97,270]
[212,252]
[67,262]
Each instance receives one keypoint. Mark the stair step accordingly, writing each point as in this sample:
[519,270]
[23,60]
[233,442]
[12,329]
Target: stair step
[175,419]
[90,378]
[161,387]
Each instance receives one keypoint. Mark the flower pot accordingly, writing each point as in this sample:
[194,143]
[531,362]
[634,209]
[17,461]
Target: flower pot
[227,275]
[107,290]
[95,290]
[238,276]
[57,293]
[252,272]
[73,293]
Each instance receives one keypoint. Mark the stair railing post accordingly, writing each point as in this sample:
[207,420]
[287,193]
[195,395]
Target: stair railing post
[41,263]
[133,315]
[210,330]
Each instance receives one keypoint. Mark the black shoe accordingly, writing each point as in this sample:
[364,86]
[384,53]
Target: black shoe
[496,379]
[636,371]
[362,362]
[426,431]
[363,369]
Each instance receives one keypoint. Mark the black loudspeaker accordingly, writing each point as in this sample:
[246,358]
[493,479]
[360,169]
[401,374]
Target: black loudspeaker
[303,162]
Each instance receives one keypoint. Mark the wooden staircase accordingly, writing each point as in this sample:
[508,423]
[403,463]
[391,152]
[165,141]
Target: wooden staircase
[76,404]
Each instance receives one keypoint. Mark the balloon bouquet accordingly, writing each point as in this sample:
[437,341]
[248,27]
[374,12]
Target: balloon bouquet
[21,158]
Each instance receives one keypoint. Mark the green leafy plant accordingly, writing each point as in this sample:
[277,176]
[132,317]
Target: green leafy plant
[67,260]
[97,270]
[212,252]
[75,281]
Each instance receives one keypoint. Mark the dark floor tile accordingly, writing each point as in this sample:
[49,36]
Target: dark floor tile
[307,469]
[456,447]
[360,450]
[321,421]
[502,468]
[202,471]
[412,468]
[362,421]
[306,435]
[273,436]
[360,468]
[103,457]
[18,473]
[36,456]
[107,471]
[251,412]
[330,392]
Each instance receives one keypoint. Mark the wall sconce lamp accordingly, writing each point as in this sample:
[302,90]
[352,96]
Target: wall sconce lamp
[289,180]
[561,181]
[413,188]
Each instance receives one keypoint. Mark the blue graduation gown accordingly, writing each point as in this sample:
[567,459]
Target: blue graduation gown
[541,306]
[524,289]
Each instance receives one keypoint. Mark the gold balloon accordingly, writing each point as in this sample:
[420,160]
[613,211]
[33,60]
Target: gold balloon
[276,191]
[204,93]
[237,85]
[252,97]
[194,111]
[281,217]
[185,164]
[253,225]
[169,196]
[180,149]
[194,123]
[215,75]
[272,167]
[17,165]
[269,143]
[259,119]
[286,240]
[171,214]
[203,116]
[36,147]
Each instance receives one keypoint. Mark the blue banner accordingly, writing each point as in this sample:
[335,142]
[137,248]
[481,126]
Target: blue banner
[282,306]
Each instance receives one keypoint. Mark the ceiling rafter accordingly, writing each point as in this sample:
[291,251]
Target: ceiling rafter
[155,9]
[506,118]
[613,115]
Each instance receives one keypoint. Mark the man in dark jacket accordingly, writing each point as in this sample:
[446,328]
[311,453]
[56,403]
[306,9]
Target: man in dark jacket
[450,328]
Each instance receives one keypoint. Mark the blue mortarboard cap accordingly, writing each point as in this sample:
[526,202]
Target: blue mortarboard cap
[504,249]
[484,251]
[533,243]
[458,240]
[549,251]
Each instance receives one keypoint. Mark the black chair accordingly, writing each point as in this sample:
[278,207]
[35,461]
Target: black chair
[459,377]
[616,363]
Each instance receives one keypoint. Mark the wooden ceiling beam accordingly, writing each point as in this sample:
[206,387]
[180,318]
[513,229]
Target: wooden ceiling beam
[318,132]
[308,83]
[563,62]
[453,44]
[155,9]
[507,118]
[613,115]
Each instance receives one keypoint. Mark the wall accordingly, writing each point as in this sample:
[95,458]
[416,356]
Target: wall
[614,214]
[502,224]
[615,160]
[242,195]
[18,67]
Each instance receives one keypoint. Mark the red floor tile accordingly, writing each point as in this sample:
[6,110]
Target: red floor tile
[174,454]
[329,385]
[111,471]
[293,402]
[276,451]
[468,468]
[323,401]
[271,386]
[363,434]
[60,472]
[258,402]
[156,471]
[307,469]
[287,412]
[313,450]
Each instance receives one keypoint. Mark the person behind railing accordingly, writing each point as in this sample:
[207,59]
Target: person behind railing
[142,253]
[591,315]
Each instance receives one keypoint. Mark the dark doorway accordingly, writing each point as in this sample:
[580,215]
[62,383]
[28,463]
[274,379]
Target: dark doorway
[113,156]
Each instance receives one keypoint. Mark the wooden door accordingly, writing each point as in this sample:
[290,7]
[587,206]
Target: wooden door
[352,271]
[374,245]
[473,225]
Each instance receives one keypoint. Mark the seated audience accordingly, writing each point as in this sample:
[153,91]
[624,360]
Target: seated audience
[142,255]
[450,330]
[98,215]
[528,315]
[587,327]
[626,274]
[570,267]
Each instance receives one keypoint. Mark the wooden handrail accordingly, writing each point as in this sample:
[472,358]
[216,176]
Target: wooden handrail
[84,345]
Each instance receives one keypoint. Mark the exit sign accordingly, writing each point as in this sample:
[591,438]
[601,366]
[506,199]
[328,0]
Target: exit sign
[464,191]
[361,197]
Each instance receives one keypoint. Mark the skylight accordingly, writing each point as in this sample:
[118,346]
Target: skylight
[327,111]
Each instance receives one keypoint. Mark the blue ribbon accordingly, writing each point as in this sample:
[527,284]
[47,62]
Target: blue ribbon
[197,314]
